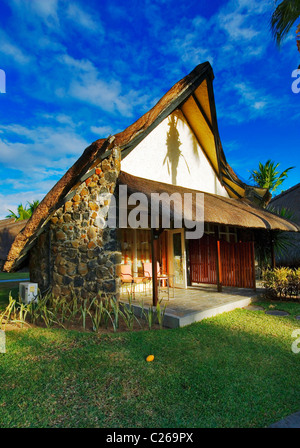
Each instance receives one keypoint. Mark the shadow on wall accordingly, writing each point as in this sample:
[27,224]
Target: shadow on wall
[173,149]
[6,240]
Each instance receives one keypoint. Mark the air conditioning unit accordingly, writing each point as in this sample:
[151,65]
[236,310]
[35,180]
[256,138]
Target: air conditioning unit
[28,292]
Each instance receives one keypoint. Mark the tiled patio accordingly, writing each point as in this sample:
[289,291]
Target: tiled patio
[195,303]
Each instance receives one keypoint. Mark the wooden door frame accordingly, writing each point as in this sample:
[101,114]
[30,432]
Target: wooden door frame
[171,232]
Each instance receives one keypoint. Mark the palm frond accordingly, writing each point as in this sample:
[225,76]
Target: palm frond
[283,18]
[267,175]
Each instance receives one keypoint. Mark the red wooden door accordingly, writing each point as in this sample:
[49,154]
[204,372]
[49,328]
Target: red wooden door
[237,262]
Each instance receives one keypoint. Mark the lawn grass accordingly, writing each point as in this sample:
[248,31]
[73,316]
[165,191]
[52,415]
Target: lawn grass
[5,289]
[12,286]
[234,370]
[13,275]
[293,308]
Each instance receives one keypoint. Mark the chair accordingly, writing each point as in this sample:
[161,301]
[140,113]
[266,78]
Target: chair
[147,267]
[127,277]
[163,278]
[148,273]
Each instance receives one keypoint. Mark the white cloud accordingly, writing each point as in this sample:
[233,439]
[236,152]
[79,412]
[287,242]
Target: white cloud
[83,19]
[63,119]
[39,151]
[86,84]
[234,24]
[9,48]
[257,101]
[102,131]
[41,155]
[11,201]
[45,9]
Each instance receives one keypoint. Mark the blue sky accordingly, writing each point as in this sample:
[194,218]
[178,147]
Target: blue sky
[79,70]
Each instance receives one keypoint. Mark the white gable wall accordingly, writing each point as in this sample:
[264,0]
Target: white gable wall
[171,154]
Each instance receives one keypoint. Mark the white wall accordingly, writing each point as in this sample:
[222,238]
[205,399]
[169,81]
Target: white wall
[171,154]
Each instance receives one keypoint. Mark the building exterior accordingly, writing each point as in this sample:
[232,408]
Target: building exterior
[9,229]
[173,148]
[290,200]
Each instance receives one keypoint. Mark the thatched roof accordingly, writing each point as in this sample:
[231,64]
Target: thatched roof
[9,229]
[289,199]
[217,209]
[182,94]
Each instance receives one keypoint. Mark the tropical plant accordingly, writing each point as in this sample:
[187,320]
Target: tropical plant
[267,175]
[23,212]
[282,283]
[287,12]
[50,310]
[129,316]
[281,239]
[149,316]
[33,205]
[115,313]
[160,313]
[96,313]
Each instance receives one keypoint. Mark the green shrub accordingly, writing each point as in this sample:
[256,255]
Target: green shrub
[282,283]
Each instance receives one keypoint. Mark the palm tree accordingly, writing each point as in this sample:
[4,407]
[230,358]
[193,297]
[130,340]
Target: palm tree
[283,18]
[33,205]
[23,212]
[267,175]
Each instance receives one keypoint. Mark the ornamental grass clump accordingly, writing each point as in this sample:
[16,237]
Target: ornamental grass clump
[82,314]
[282,283]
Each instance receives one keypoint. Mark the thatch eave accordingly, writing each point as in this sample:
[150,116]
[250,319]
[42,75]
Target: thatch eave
[217,209]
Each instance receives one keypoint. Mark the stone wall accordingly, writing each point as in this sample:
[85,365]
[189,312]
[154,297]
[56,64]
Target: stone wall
[40,262]
[81,255]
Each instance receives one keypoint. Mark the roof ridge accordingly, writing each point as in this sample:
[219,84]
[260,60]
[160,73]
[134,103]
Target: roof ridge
[283,193]
[128,136]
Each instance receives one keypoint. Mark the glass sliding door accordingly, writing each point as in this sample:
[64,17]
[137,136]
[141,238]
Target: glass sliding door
[178,258]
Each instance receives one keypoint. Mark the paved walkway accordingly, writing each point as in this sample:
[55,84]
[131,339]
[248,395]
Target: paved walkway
[292,421]
[196,303]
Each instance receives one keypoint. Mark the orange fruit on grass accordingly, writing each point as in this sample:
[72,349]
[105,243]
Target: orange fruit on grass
[150,358]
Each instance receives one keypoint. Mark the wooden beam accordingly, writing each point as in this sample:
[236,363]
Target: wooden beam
[253,265]
[203,112]
[231,189]
[200,144]
[187,261]
[176,103]
[227,175]
[218,261]
[215,128]
[154,249]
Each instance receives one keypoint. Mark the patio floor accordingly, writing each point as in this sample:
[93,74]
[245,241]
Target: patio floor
[194,303]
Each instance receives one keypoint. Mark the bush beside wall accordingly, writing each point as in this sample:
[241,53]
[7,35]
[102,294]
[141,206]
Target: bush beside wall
[282,283]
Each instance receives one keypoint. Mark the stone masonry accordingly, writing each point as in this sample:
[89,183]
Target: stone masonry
[78,253]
